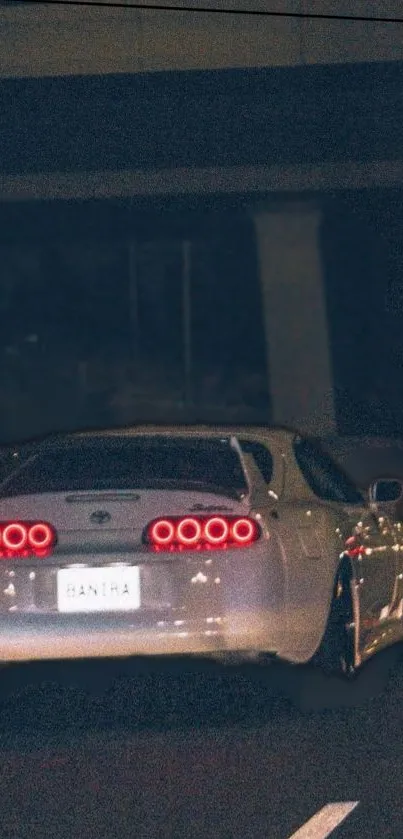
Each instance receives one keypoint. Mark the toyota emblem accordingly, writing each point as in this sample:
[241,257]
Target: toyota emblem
[100,517]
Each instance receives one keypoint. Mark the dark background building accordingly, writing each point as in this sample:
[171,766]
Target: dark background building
[204,243]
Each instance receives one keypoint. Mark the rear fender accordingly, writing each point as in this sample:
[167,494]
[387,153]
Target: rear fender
[301,649]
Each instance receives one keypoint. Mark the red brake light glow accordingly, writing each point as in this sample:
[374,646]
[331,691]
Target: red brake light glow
[162,532]
[15,536]
[40,536]
[353,547]
[216,530]
[189,532]
[243,531]
[18,538]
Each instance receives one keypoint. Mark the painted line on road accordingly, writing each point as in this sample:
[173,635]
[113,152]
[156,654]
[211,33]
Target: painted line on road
[323,823]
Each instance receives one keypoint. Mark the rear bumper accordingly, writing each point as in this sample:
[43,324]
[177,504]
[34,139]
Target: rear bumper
[210,604]
[31,638]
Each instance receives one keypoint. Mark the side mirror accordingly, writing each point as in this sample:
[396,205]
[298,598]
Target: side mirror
[385,491]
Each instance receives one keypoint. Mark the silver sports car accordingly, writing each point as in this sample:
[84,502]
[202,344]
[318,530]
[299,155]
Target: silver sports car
[154,541]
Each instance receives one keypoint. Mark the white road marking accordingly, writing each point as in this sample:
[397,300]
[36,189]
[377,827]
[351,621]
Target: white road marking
[323,823]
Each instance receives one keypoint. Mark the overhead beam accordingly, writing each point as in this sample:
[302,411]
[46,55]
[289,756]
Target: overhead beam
[184,181]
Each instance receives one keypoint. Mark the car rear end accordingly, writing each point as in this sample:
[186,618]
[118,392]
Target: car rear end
[117,545]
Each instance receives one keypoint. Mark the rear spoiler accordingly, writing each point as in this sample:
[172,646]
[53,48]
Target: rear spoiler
[253,478]
[235,444]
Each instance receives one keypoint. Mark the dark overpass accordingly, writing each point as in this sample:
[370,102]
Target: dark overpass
[310,115]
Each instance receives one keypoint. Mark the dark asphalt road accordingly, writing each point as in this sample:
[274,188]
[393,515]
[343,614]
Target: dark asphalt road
[191,752]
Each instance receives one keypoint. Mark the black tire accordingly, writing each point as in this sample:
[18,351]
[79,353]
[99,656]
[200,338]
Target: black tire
[336,654]
[332,680]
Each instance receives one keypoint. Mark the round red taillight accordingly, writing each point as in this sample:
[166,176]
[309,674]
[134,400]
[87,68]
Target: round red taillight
[40,536]
[15,537]
[188,531]
[162,532]
[243,531]
[216,530]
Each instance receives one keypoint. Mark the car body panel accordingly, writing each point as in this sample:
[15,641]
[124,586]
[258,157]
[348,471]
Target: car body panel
[272,597]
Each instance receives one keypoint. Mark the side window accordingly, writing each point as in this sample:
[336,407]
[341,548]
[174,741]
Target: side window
[323,475]
[262,456]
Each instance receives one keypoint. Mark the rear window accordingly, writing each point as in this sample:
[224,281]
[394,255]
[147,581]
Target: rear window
[325,478]
[106,463]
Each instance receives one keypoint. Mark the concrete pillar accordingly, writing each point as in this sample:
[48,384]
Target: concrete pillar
[299,367]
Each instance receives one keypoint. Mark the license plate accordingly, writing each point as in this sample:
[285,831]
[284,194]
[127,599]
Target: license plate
[98,589]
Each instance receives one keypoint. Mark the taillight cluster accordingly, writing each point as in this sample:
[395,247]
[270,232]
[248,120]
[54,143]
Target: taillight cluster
[26,538]
[189,532]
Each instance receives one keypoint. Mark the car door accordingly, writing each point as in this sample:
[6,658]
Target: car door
[371,544]
[341,509]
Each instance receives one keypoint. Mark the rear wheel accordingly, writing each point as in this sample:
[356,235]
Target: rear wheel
[332,679]
[337,652]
